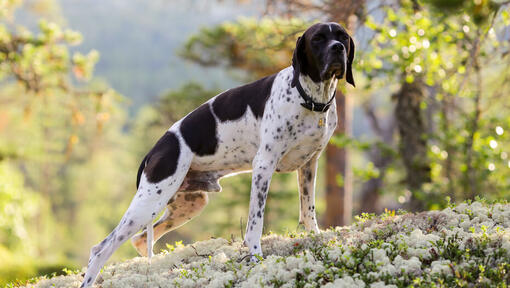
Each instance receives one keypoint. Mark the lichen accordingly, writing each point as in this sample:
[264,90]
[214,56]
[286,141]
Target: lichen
[466,244]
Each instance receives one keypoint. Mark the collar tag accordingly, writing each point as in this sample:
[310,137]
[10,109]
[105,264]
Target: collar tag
[321,122]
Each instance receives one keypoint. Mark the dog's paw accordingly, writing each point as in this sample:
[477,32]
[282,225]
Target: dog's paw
[300,227]
[314,230]
[308,227]
[255,258]
[252,258]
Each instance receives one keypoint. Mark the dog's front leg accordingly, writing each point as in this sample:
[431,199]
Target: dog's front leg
[264,165]
[306,181]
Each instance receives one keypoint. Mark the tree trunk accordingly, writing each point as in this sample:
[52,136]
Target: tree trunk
[339,198]
[413,143]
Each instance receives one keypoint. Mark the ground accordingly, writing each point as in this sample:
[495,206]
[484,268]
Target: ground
[466,245]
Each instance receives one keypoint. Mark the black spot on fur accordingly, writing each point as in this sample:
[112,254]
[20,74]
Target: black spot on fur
[121,238]
[199,131]
[259,214]
[192,196]
[131,223]
[162,159]
[232,104]
[259,177]
[309,176]
[260,196]
[159,191]
[90,279]
[264,186]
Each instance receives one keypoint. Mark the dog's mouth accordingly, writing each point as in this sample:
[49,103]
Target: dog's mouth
[335,69]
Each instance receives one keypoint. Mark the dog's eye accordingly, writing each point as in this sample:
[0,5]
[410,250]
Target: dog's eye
[343,36]
[318,38]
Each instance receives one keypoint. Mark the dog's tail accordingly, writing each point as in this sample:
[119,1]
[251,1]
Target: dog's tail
[140,170]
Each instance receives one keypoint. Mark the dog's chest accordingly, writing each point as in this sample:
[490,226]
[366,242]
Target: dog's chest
[297,133]
[312,135]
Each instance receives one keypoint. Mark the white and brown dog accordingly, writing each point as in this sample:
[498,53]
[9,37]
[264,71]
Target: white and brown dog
[279,123]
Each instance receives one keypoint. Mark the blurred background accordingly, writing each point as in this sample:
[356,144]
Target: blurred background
[87,88]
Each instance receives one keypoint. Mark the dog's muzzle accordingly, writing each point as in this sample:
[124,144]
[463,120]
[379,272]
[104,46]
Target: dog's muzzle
[335,62]
[334,68]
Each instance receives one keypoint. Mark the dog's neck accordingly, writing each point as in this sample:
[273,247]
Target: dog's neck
[320,92]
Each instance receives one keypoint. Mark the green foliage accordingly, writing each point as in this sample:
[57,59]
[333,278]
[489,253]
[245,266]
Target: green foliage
[411,44]
[480,11]
[177,103]
[468,156]
[60,142]
[262,47]
[18,208]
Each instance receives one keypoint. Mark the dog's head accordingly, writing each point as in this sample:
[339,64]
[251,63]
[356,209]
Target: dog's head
[324,51]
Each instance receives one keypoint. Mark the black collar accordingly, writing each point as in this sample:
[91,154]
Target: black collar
[309,103]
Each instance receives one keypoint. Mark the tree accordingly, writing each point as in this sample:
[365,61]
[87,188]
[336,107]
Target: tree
[436,59]
[47,106]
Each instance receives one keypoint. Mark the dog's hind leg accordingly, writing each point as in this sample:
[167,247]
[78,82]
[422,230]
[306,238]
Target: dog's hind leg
[165,168]
[180,209]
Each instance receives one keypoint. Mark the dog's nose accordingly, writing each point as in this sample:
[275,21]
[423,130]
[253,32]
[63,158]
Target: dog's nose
[338,47]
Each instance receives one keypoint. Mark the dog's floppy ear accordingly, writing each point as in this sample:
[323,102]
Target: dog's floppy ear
[298,59]
[350,58]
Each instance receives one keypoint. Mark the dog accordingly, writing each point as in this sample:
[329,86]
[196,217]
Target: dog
[280,123]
